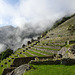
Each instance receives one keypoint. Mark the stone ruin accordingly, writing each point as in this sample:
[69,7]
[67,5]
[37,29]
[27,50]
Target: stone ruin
[12,58]
[38,38]
[70,42]
[29,42]
[20,52]
[23,46]
[72,49]
[26,48]
[1,65]
[23,50]
[9,60]
[19,70]
[32,40]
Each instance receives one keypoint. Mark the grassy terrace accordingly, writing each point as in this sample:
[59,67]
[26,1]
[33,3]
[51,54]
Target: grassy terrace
[51,70]
[5,65]
[47,48]
[7,61]
[19,50]
[27,54]
[35,53]
[25,47]
[42,51]
[49,41]
[20,55]
[50,45]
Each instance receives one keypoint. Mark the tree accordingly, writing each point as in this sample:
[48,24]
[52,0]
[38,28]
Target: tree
[71,29]
[5,54]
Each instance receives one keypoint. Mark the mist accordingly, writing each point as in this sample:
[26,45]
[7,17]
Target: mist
[25,19]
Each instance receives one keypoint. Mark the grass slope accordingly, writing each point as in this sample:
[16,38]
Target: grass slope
[51,70]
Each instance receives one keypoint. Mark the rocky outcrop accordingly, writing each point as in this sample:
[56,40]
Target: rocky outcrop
[62,51]
[68,52]
[19,70]
[8,70]
[72,49]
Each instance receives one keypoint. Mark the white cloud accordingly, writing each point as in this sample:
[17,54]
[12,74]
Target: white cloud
[1,21]
[2,47]
[39,14]
[36,10]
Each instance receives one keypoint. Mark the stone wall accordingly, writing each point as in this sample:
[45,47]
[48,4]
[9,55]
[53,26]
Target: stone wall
[68,61]
[50,62]
[19,61]
[8,70]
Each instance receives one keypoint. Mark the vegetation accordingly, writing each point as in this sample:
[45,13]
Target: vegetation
[51,70]
[59,22]
[48,48]
[5,54]
[48,53]
[35,53]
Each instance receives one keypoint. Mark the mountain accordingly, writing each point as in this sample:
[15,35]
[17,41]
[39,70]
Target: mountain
[50,43]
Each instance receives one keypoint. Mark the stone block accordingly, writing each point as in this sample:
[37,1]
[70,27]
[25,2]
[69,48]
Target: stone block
[5,62]
[1,65]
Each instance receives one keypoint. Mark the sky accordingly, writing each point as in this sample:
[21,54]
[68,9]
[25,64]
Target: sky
[20,12]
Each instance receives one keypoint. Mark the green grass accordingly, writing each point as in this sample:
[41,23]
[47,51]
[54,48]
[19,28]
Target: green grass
[51,70]
[27,54]
[19,49]
[4,65]
[42,52]
[20,55]
[1,70]
[50,45]
[35,53]
[8,63]
[48,48]
[67,46]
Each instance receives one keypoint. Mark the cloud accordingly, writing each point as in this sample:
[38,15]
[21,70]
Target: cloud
[1,21]
[35,10]
[30,17]
[2,47]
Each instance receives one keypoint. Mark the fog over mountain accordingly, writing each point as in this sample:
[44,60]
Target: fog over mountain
[29,18]
[15,37]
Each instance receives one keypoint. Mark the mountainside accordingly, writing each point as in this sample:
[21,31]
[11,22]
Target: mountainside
[49,44]
[61,30]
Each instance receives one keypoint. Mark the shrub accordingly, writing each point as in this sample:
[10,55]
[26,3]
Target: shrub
[5,54]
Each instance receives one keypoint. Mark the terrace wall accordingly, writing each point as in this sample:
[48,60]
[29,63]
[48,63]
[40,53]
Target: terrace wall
[8,70]
[19,61]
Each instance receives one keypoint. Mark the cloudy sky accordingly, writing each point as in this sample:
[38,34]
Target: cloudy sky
[19,12]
